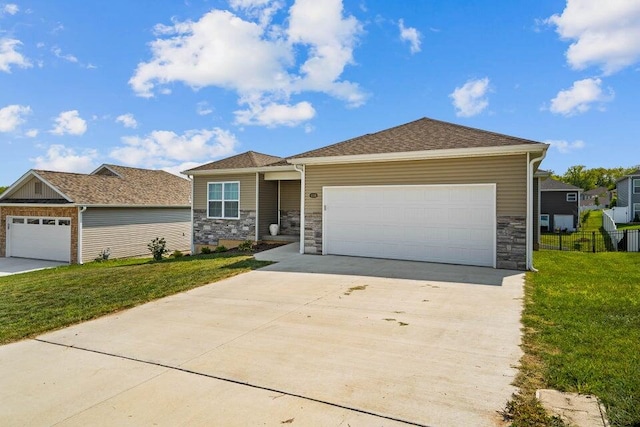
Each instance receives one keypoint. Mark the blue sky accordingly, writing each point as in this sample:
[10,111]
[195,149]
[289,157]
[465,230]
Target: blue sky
[174,84]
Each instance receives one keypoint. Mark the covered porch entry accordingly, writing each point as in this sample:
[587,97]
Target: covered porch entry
[279,203]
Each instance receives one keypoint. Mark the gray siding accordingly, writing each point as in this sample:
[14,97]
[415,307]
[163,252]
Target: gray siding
[127,231]
[268,205]
[623,192]
[555,202]
[247,189]
[28,191]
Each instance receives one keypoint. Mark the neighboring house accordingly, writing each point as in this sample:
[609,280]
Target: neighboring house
[628,188]
[424,191]
[601,195]
[74,217]
[559,205]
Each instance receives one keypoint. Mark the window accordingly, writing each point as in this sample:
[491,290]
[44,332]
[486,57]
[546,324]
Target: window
[38,187]
[636,212]
[636,186]
[572,197]
[64,222]
[48,221]
[18,220]
[33,221]
[224,200]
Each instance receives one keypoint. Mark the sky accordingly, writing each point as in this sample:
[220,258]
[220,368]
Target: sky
[175,84]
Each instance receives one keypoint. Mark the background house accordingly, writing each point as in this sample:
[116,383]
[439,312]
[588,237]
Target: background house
[628,204]
[425,191]
[559,205]
[597,198]
[74,217]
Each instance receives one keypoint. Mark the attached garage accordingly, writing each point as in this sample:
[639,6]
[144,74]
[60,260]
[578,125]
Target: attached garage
[39,237]
[453,224]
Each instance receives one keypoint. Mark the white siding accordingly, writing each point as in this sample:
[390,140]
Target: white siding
[126,232]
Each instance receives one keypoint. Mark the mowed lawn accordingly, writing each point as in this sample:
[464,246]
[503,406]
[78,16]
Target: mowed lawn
[582,331]
[36,302]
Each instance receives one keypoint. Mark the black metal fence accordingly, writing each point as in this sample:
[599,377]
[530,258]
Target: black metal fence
[592,241]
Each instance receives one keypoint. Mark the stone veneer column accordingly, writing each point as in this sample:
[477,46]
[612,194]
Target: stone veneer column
[313,233]
[511,243]
[208,231]
[290,222]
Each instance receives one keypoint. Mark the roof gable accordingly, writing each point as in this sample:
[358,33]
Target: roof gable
[249,159]
[421,135]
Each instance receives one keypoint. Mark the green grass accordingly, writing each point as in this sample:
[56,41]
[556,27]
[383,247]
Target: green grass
[628,226]
[592,221]
[40,301]
[582,333]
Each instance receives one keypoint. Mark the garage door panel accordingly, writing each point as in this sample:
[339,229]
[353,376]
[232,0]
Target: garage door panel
[39,241]
[448,223]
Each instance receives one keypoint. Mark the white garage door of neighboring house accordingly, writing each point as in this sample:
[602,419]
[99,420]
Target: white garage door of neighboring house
[39,237]
[453,224]
[563,222]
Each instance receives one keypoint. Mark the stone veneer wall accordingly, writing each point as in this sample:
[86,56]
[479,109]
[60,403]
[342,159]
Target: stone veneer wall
[511,242]
[290,222]
[39,211]
[208,231]
[511,250]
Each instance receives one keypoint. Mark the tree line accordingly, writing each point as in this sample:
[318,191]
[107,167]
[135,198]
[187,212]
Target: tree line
[588,179]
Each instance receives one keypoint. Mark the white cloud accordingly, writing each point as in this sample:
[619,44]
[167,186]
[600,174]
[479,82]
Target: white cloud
[69,122]
[67,57]
[12,116]
[579,97]
[203,108]
[411,35]
[127,120]
[470,99]
[10,9]
[273,114]
[565,147]
[164,149]
[61,158]
[32,133]
[603,33]
[256,58]
[10,56]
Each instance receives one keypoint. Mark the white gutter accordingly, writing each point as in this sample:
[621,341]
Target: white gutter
[81,209]
[193,185]
[302,192]
[257,207]
[240,170]
[530,220]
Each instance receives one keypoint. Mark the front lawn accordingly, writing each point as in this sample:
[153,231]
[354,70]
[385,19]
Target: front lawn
[628,226]
[582,333]
[40,301]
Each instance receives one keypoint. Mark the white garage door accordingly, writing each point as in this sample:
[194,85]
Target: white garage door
[39,238]
[453,224]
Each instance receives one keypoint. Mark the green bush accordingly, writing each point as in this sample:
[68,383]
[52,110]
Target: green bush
[177,254]
[245,246]
[158,248]
[104,255]
[206,250]
[220,249]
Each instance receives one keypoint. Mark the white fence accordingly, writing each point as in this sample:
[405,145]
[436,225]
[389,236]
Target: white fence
[631,236]
[618,214]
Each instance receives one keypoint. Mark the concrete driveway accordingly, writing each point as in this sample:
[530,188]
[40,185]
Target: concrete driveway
[22,265]
[322,341]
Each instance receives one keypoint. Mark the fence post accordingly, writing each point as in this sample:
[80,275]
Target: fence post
[593,241]
[560,238]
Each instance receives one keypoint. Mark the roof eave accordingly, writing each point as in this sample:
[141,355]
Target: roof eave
[239,170]
[24,177]
[424,155]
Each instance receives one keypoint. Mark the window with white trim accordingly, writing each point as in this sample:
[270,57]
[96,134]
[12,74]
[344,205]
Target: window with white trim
[636,186]
[223,200]
[572,197]
[636,211]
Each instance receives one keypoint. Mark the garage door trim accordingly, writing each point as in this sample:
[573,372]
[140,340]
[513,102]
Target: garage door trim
[9,236]
[491,186]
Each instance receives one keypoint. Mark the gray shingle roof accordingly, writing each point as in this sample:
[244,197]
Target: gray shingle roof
[552,184]
[139,187]
[420,135]
[250,159]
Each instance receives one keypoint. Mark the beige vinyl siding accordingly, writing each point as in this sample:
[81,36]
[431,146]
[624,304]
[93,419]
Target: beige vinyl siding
[508,172]
[290,195]
[247,189]
[127,231]
[28,191]
[268,205]
[536,212]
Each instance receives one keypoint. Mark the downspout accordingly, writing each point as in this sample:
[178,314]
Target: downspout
[529,221]
[193,185]
[257,233]
[302,189]
[279,182]
[80,212]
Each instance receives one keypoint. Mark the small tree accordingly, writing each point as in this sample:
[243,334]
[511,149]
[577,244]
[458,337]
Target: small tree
[158,248]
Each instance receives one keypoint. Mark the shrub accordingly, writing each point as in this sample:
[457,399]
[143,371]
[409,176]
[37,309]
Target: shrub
[245,246]
[104,255]
[158,248]
[206,250]
[177,254]
[220,249]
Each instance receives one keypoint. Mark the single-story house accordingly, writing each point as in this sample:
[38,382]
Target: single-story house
[427,191]
[601,195]
[628,189]
[559,205]
[73,217]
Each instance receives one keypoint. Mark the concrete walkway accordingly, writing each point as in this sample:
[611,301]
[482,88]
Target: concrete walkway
[311,340]
[23,265]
